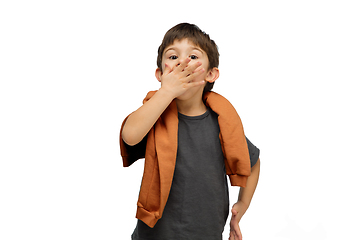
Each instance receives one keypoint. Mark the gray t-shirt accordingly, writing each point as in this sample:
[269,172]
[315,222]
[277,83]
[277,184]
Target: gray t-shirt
[198,203]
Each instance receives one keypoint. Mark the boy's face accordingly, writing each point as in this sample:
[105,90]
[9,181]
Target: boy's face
[178,52]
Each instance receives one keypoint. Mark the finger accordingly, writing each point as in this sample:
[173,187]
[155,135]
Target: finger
[167,69]
[231,236]
[191,77]
[192,68]
[195,84]
[182,65]
[237,233]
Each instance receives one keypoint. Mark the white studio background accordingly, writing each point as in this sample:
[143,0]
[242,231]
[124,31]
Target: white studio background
[71,71]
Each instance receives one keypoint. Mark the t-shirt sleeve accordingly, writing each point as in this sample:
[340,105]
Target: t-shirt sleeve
[133,153]
[254,152]
[129,153]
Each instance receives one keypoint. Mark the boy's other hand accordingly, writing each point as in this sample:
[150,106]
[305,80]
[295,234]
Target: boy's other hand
[181,77]
[235,233]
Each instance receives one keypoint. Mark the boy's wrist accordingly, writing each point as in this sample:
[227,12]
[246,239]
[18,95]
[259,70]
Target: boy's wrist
[241,208]
[166,95]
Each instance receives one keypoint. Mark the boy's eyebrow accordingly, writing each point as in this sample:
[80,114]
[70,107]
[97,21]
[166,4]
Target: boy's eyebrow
[175,49]
[199,49]
[166,50]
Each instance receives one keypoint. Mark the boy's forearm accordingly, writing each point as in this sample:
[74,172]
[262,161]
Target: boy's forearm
[246,194]
[141,121]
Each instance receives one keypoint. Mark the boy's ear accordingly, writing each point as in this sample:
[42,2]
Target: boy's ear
[158,74]
[212,75]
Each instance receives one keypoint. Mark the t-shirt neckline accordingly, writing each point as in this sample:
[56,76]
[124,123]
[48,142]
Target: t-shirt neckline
[202,116]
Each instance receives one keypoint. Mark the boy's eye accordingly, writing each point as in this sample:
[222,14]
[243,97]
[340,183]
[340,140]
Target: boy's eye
[193,57]
[173,57]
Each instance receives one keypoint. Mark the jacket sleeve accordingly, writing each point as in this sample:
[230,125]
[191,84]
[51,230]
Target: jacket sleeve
[130,154]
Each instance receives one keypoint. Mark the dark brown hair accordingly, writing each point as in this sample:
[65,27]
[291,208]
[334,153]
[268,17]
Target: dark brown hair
[194,34]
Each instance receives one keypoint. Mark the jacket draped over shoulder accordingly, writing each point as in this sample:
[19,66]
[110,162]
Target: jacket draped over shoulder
[161,150]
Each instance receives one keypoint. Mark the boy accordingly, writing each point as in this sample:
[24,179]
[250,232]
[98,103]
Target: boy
[193,137]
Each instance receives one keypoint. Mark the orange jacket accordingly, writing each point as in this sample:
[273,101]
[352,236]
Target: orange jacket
[161,150]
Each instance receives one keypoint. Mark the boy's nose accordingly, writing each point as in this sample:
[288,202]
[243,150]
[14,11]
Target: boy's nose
[181,60]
